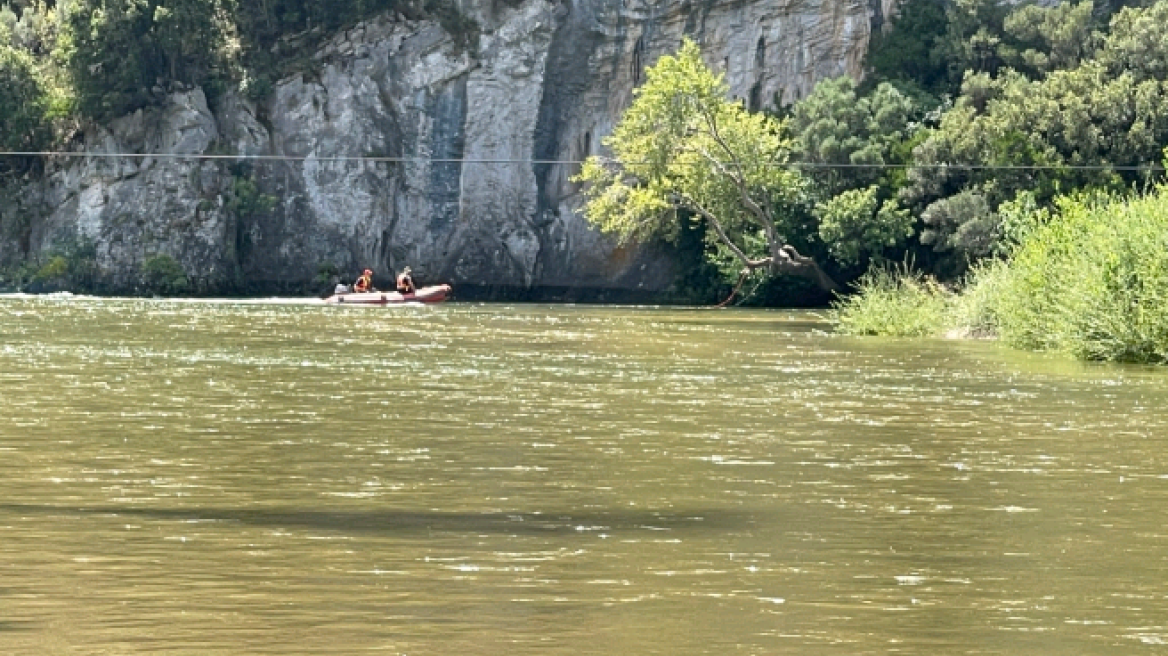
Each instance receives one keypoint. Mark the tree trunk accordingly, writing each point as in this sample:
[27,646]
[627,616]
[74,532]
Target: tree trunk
[791,263]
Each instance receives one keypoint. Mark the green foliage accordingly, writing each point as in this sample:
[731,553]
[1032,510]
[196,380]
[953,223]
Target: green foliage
[24,124]
[327,273]
[962,222]
[701,280]
[683,146]
[28,94]
[33,30]
[56,270]
[118,51]
[71,264]
[16,276]
[909,49]
[973,40]
[245,199]
[974,311]
[893,302]
[1089,279]
[1053,38]
[162,274]
[855,224]
[1092,281]
[836,125]
[1107,111]
[1137,43]
[1018,218]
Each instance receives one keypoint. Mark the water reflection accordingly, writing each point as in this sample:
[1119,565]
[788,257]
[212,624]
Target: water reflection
[392,522]
[224,478]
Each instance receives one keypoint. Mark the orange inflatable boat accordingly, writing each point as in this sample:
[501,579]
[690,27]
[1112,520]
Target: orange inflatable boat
[431,294]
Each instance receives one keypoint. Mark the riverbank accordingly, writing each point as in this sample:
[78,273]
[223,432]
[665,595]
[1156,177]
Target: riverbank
[1088,278]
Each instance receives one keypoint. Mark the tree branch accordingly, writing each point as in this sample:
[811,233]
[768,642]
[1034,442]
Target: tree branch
[692,204]
[764,217]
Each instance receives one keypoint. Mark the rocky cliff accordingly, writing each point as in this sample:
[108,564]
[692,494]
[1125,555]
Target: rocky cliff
[397,146]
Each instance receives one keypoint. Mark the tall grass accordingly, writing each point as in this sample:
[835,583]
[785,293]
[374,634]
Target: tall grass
[1090,280]
[974,312]
[1093,281]
[893,301]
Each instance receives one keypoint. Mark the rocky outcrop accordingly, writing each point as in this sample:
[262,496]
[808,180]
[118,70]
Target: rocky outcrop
[131,208]
[400,147]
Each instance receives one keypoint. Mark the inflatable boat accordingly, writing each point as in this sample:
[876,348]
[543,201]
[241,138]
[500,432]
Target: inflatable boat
[432,294]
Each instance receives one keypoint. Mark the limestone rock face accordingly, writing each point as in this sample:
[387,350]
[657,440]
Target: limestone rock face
[132,208]
[402,148]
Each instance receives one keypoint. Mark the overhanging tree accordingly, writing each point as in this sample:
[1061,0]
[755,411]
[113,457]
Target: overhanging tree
[684,149]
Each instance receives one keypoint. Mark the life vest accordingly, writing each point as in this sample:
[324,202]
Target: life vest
[405,284]
[363,284]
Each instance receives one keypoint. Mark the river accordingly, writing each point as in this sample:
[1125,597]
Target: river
[190,477]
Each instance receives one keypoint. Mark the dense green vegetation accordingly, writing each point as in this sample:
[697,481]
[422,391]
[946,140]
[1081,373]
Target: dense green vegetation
[1088,278]
[162,274]
[1002,111]
[985,103]
[1036,181]
[1091,280]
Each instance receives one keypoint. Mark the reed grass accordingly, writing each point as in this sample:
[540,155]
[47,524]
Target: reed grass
[1093,282]
[892,301]
[1090,280]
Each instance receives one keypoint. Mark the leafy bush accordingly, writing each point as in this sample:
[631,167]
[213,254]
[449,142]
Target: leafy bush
[974,311]
[327,273]
[1089,279]
[909,49]
[162,274]
[71,264]
[1092,281]
[56,270]
[836,124]
[246,200]
[892,301]
[117,51]
[854,225]
[24,123]
[962,223]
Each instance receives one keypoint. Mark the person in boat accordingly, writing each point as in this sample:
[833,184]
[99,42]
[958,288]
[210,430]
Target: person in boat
[405,282]
[365,282]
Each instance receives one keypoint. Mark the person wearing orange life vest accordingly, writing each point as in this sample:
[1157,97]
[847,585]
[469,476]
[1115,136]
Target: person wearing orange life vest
[365,282]
[405,283]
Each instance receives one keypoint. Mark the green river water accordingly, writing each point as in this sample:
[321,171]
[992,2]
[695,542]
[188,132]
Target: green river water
[288,478]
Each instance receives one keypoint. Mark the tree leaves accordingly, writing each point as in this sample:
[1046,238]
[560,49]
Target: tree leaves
[683,148]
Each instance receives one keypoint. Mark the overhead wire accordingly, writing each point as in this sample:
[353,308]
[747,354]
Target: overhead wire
[572,162]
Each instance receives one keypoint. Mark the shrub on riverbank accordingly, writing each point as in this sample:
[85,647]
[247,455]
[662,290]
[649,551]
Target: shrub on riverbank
[1090,280]
[1093,281]
[896,302]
